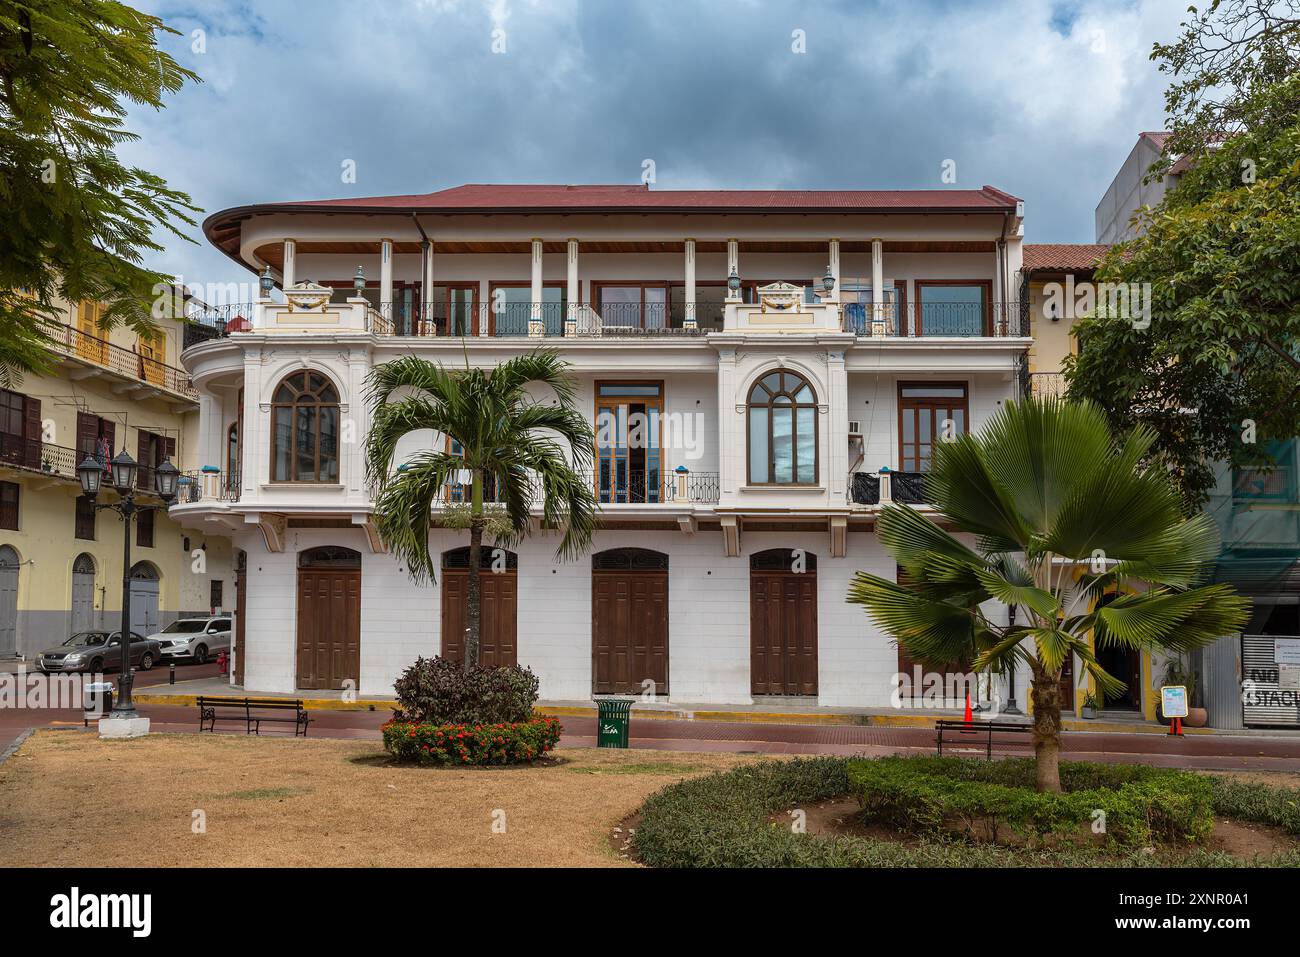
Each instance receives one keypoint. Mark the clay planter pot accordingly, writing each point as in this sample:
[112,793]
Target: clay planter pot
[1196,717]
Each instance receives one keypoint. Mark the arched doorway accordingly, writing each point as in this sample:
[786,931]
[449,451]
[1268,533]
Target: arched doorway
[144,598]
[329,618]
[83,593]
[783,622]
[498,605]
[629,621]
[9,565]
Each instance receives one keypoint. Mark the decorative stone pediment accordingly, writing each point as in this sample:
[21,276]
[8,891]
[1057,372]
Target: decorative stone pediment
[780,297]
[307,296]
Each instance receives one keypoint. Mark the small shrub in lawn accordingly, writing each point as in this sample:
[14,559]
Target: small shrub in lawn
[1141,805]
[471,744]
[738,819]
[439,691]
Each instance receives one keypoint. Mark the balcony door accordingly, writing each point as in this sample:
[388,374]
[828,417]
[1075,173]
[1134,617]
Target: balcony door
[510,308]
[954,307]
[632,305]
[629,454]
[928,413]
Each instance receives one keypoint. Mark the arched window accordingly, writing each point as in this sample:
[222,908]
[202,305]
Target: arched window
[782,430]
[84,565]
[329,556]
[305,429]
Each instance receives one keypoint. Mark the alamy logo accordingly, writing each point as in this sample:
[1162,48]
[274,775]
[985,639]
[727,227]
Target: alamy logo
[1071,300]
[74,909]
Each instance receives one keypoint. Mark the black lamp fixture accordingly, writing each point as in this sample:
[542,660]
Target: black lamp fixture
[359,282]
[828,281]
[90,473]
[266,282]
[123,471]
[733,283]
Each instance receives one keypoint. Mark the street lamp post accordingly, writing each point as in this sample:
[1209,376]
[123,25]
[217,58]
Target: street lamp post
[122,471]
[1011,707]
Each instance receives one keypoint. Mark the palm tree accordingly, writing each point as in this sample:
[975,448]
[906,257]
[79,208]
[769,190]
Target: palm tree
[509,444]
[1061,515]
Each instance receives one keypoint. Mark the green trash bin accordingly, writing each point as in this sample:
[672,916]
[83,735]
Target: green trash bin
[613,715]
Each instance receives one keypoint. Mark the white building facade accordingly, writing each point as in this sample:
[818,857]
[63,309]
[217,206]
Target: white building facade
[785,360]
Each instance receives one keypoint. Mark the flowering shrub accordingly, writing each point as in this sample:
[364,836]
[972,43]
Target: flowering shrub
[439,691]
[471,744]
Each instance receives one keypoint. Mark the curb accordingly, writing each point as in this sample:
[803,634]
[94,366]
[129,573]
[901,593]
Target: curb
[14,745]
[832,719]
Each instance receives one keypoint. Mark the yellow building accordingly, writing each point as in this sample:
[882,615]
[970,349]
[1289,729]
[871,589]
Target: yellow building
[1054,278]
[60,561]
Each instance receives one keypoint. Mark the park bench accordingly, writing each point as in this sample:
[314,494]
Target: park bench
[253,712]
[964,732]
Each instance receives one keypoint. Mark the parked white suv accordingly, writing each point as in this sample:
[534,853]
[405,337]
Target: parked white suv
[196,638]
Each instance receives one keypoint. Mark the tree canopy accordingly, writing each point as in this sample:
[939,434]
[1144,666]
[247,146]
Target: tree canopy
[77,223]
[1216,372]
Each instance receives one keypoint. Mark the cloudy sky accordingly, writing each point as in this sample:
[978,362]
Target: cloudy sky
[1042,98]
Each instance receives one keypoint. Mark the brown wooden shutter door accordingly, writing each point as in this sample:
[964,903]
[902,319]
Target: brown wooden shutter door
[87,434]
[144,456]
[31,432]
[110,432]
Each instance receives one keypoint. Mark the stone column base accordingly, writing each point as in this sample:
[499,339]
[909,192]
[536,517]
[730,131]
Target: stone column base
[119,728]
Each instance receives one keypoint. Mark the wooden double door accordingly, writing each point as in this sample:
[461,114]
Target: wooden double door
[329,619]
[498,608]
[783,623]
[629,622]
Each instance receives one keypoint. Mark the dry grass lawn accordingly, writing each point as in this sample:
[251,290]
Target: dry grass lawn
[301,803]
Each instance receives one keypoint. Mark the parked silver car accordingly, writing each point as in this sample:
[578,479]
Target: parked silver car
[97,651]
[196,638]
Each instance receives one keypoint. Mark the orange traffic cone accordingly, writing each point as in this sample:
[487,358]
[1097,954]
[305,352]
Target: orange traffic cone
[968,717]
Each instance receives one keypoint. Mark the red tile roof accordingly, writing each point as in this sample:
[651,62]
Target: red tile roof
[1062,257]
[488,197]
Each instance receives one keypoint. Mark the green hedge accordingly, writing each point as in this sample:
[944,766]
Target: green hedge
[1142,805]
[738,819]
[471,744]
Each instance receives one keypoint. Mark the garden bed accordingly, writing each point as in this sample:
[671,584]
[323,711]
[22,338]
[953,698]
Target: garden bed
[742,818]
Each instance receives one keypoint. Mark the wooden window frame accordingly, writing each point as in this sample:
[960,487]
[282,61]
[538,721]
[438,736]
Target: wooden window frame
[598,287]
[920,284]
[933,404]
[495,284]
[294,477]
[10,512]
[660,402]
[794,432]
[145,526]
[84,511]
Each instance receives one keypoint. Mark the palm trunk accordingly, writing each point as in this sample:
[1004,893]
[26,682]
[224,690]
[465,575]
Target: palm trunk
[475,591]
[1046,693]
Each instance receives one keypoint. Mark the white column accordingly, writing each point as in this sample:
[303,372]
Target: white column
[386,278]
[878,325]
[287,277]
[834,252]
[690,321]
[536,327]
[571,293]
[733,266]
[428,326]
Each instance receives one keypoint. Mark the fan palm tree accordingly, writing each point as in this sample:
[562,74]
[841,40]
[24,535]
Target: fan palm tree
[509,444]
[1061,515]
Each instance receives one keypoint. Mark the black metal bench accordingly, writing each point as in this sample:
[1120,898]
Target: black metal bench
[253,712]
[964,730]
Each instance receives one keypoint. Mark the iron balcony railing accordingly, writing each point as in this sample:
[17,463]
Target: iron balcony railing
[1047,383]
[207,485]
[886,486]
[37,456]
[519,319]
[124,362]
[937,319]
[217,322]
[618,485]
